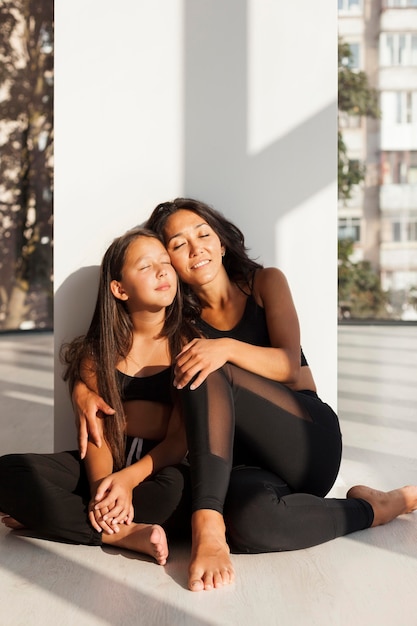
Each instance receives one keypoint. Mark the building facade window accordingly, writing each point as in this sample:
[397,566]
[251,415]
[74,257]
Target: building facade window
[396,231]
[349,228]
[404,107]
[400,3]
[398,49]
[399,167]
[404,231]
[352,6]
[349,121]
[412,231]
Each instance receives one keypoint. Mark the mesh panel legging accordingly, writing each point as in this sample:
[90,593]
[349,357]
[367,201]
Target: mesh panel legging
[49,495]
[266,456]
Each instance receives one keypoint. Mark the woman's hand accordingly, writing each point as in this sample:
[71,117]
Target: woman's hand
[112,503]
[88,408]
[200,356]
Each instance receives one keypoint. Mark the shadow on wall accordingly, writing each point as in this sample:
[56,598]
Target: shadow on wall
[74,301]
[252,190]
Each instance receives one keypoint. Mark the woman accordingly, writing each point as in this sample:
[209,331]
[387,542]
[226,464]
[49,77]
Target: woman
[126,357]
[264,450]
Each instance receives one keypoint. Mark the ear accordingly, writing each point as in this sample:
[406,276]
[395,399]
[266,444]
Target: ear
[118,291]
[223,250]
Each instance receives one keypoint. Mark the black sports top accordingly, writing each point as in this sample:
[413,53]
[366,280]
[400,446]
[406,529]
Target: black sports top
[251,328]
[154,388]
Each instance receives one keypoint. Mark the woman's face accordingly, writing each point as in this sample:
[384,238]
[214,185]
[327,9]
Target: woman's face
[194,248]
[149,281]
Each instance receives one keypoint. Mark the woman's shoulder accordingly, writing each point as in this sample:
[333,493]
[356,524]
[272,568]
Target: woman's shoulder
[266,280]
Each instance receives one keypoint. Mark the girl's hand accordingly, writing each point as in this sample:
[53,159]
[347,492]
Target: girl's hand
[96,519]
[113,500]
[199,357]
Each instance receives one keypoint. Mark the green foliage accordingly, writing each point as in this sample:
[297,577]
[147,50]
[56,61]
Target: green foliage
[355,98]
[359,290]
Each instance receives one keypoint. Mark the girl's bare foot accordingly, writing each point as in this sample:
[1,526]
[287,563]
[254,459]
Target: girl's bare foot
[387,505]
[210,565]
[11,523]
[147,538]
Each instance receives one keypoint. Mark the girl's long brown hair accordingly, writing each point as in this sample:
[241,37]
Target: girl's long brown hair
[109,340]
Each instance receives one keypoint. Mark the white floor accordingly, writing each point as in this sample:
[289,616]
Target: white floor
[365,579]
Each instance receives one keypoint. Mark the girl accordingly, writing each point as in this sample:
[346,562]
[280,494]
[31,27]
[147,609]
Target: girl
[125,357]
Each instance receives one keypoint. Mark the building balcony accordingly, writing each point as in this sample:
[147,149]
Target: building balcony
[397,77]
[398,197]
[398,19]
[400,256]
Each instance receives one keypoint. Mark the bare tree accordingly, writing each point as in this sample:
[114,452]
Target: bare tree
[26,166]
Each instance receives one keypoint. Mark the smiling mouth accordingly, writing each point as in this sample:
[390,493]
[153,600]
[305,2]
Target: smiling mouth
[200,264]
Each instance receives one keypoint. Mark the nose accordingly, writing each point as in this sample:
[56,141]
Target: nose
[195,248]
[162,271]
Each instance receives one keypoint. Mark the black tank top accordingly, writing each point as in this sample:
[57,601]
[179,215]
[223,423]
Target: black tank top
[251,328]
[154,388]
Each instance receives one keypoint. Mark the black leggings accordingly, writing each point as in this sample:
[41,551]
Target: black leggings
[49,495]
[266,456]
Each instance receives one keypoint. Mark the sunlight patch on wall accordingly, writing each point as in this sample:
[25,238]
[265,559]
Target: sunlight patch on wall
[278,55]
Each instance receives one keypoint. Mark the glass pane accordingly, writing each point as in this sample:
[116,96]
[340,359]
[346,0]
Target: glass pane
[26,167]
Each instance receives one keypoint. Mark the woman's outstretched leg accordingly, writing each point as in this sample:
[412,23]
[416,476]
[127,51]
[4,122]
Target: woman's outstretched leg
[387,505]
[263,515]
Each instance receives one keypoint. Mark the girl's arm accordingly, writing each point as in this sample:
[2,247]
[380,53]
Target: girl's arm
[170,451]
[280,362]
[99,466]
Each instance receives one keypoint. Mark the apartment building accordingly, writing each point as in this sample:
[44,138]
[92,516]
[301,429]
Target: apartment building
[381,216]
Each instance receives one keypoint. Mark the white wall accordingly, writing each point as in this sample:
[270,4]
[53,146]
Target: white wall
[232,102]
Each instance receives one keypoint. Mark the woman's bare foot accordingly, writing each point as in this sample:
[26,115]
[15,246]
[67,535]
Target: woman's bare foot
[147,538]
[387,505]
[210,565]
[11,523]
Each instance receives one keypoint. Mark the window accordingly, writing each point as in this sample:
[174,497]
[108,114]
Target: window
[398,49]
[353,6]
[404,107]
[405,230]
[349,228]
[412,231]
[399,168]
[400,3]
[349,121]
[354,61]
[396,231]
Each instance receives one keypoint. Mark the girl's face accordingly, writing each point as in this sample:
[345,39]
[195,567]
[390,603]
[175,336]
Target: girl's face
[194,248]
[149,281]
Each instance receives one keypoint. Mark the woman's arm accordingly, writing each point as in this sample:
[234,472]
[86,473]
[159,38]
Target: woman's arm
[280,362]
[89,408]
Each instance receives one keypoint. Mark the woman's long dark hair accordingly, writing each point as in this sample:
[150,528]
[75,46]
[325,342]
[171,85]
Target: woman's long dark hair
[109,339]
[239,266]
